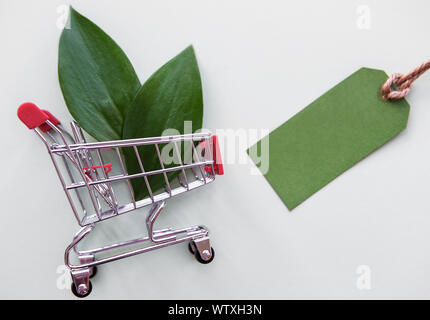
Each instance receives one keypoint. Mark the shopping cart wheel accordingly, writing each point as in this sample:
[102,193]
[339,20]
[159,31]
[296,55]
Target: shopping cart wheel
[191,247]
[94,272]
[75,292]
[200,259]
[196,253]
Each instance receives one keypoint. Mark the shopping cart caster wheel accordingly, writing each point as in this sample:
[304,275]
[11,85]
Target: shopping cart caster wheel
[75,291]
[191,248]
[93,274]
[201,260]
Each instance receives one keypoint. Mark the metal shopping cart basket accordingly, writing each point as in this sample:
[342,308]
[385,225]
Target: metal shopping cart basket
[92,188]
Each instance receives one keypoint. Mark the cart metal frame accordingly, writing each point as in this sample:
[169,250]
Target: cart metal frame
[92,191]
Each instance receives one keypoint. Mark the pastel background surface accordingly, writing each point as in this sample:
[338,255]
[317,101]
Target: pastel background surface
[261,62]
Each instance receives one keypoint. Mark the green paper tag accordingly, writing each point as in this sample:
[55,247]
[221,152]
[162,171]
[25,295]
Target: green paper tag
[331,135]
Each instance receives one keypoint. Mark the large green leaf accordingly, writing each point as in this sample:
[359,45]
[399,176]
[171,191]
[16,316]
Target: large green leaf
[169,97]
[97,79]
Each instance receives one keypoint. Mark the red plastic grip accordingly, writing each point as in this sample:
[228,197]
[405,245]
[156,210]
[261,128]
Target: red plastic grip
[219,168]
[46,127]
[31,115]
[216,156]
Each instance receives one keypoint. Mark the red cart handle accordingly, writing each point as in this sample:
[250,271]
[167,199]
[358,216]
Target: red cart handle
[219,168]
[46,127]
[32,116]
[216,156]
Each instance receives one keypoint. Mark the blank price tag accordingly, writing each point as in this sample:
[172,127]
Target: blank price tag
[330,135]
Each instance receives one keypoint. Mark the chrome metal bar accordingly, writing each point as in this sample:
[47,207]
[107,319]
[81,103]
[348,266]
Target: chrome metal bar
[198,160]
[132,142]
[82,233]
[85,159]
[150,220]
[180,162]
[96,190]
[63,184]
[195,230]
[66,165]
[169,189]
[114,203]
[127,254]
[124,172]
[70,156]
[139,160]
[138,175]
[146,201]
[75,164]
[208,144]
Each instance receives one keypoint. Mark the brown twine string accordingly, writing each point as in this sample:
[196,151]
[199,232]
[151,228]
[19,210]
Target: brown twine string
[402,82]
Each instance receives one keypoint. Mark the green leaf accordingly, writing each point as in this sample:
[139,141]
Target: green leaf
[97,79]
[171,96]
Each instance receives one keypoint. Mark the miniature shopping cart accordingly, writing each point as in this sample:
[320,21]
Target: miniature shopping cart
[98,190]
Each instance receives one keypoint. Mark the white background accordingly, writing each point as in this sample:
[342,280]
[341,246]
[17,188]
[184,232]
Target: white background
[261,62]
